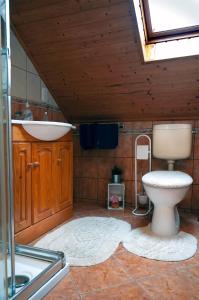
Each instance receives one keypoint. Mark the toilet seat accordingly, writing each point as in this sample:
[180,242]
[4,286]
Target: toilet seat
[167,179]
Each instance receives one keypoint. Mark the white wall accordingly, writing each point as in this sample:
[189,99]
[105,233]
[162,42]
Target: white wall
[25,81]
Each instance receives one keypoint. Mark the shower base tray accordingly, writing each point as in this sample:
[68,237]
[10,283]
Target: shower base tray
[44,268]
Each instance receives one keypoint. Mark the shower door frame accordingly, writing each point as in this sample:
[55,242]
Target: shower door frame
[6,149]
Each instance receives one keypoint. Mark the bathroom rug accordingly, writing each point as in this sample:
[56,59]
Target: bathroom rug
[86,241]
[141,241]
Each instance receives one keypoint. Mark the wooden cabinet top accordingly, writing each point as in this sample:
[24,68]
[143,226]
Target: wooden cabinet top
[20,135]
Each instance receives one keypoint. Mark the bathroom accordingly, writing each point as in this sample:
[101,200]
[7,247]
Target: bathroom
[91,69]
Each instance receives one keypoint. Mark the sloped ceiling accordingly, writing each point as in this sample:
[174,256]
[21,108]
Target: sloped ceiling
[88,53]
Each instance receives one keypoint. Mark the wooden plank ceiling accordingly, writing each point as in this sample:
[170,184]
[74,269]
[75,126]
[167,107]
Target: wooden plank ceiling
[88,53]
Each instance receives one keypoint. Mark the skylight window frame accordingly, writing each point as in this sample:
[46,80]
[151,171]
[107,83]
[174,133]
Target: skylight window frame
[167,35]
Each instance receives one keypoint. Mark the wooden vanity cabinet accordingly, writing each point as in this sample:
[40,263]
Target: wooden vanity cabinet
[22,185]
[62,180]
[43,191]
[42,180]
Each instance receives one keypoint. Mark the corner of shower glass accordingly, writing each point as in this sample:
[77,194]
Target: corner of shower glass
[6,216]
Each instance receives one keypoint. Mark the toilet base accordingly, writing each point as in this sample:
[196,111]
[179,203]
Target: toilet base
[165,221]
[166,189]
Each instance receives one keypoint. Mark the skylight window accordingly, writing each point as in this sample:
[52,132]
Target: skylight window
[167,28]
[170,19]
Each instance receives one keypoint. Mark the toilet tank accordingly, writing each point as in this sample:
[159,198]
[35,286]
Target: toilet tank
[172,141]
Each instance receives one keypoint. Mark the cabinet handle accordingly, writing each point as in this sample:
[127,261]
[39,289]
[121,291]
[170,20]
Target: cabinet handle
[59,160]
[29,165]
[36,164]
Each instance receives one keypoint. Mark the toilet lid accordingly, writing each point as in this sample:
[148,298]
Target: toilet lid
[167,179]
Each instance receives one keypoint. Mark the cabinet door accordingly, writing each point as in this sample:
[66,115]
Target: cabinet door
[42,181]
[63,174]
[22,185]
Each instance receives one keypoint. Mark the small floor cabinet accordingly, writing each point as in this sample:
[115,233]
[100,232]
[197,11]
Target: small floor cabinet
[116,196]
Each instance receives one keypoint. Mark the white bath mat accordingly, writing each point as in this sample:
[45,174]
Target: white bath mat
[86,241]
[143,242]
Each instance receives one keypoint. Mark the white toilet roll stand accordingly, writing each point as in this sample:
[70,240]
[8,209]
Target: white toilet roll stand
[142,152]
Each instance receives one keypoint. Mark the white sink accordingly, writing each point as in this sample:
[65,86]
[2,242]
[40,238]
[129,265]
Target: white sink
[45,130]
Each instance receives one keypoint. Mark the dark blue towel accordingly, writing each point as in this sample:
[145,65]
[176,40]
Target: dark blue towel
[88,136]
[101,136]
[107,136]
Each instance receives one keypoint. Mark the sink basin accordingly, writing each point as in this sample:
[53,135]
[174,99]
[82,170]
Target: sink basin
[45,130]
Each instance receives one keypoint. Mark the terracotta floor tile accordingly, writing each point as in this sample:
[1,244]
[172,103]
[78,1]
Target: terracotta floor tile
[190,227]
[138,267]
[85,206]
[129,291]
[188,262]
[173,286]
[116,214]
[116,278]
[61,296]
[65,289]
[120,248]
[93,213]
[99,276]
[138,222]
[192,271]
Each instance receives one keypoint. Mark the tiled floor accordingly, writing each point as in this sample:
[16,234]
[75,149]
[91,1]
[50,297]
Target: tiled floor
[126,276]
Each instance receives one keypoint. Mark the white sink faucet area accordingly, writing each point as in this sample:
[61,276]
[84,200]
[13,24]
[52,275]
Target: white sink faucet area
[45,130]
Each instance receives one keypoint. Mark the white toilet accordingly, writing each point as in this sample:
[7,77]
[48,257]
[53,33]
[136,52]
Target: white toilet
[167,188]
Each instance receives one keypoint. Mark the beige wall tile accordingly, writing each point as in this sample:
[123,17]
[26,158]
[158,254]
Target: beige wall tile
[51,100]
[33,87]
[18,55]
[31,68]
[18,83]
[44,93]
[26,80]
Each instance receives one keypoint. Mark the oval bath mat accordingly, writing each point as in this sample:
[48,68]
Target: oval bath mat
[143,242]
[86,241]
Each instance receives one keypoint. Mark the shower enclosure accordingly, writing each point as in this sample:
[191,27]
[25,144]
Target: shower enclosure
[25,272]
[7,264]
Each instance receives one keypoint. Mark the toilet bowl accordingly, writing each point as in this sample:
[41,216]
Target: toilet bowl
[166,189]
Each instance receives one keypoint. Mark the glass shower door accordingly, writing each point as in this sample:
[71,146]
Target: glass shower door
[6,241]
[25,272]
